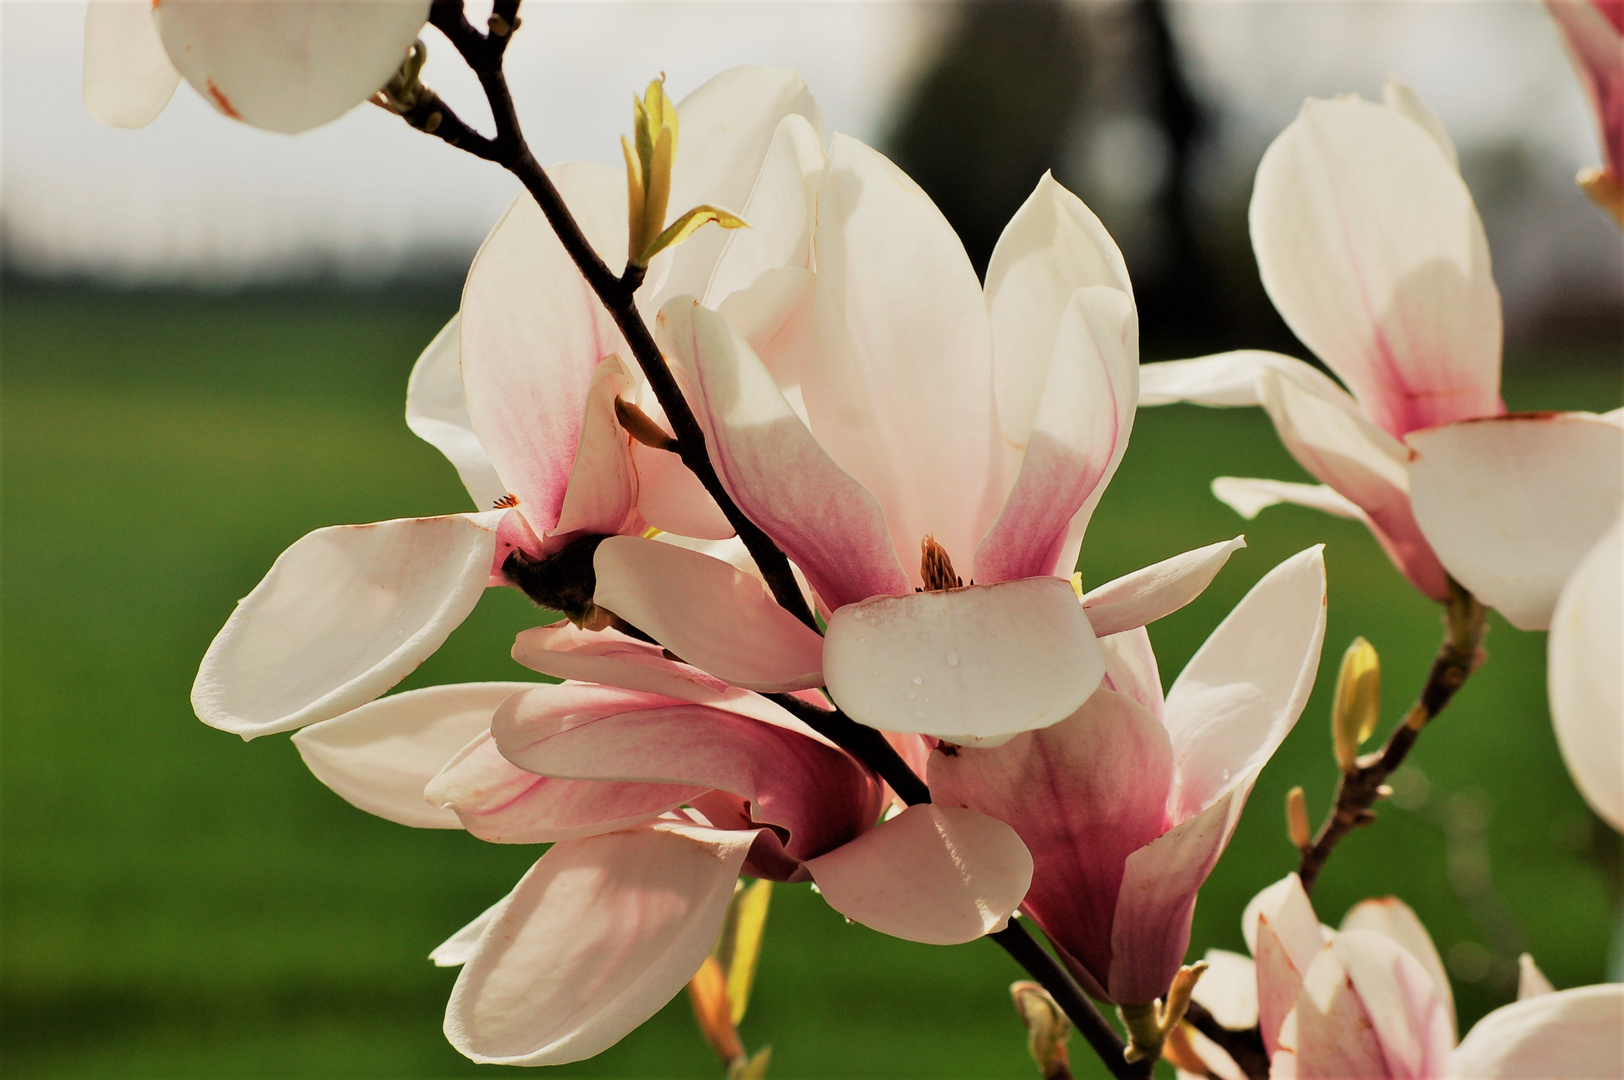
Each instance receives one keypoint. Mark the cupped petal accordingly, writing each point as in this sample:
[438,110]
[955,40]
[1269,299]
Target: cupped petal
[1587,702]
[382,755]
[777,473]
[1053,246]
[128,77]
[1230,379]
[1130,668]
[1411,1020]
[1249,497]
[1243,690]
[899,383]
[344,614]
[437,413]
[598,936]
[1370,247]
[455,950]
[1083,795]
[1571,1033]
[1391,916]
[672,499]
[942,875]
[1512,505]
[533,335]
[710,614]
[601,497]
[1073,445]
[965,665]
[288,66]
[1159,589]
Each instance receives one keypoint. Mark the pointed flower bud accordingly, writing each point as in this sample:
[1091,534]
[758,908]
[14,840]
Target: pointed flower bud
[707,991]
[1358,701]
[1047,1029]
[1297,819]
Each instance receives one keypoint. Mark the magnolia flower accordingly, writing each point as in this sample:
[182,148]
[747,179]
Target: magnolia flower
[1594,33]
[657,785]
[1126,804]
[1371,249]
[285,65]
[1524,511]
[1372,1000]
[928,456]
[520,393]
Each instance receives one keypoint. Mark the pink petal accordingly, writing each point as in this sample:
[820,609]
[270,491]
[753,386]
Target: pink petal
[1290,914]
[1369,245]
[671,498]
[1083,795]
[1412,1022]
[128,77]
[1587,701]
[380,757]
[777,473]
[715,617]
[1130,668]
[1571,1033]
[1231,379]
[598,936]
[1160,589]
[533,335]
[455,950]
[1592,29]
[602,492]
[343,615]
[968,664]
[565,651]
[437,413]
[1392,917]
[1329,1034]
[937,874]
[1240,694]
[1279,980]
[1511,505]
[899,384]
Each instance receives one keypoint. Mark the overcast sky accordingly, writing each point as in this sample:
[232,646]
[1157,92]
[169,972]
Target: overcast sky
[197,197]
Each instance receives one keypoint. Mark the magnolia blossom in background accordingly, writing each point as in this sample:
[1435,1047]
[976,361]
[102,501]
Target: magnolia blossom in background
[1127,804]
[1372,1000]
[287,66]
[1371,249]
[519,393]
[1594,33]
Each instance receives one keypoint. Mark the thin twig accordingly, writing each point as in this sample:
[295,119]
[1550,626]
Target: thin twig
[1245,1048]
[1358,790]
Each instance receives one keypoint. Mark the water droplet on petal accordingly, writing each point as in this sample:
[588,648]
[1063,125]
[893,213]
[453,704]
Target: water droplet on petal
[919,680]
[952,659]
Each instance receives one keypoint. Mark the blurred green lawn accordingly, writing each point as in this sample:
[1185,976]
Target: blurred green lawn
[177,903]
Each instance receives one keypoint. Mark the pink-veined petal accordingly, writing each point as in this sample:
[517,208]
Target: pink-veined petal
[1391,916]
[1592,30]
[1249,497]
[343,615]
[1231,378]
[899,383]
[128,77]
[937,874]
[1413,1024]
[598,936]
[1576,1033]
[1074,443]
[775,470]
[1156,590]
[602,492]
[1371,249]
[1243,690]
[966,665]
[437,413]
[713,616]
[1512,504]
[381,756]
[1083,795]
[1130,668]
[1587,702]
[288,66]
[533,334]
[455,950]
[1329,1035]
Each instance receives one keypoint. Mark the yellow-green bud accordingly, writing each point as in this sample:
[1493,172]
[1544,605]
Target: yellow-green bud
[1047,1028]
[1358,702]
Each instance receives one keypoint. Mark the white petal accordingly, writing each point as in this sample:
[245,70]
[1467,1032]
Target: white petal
[592,942]
[381,756]
[1248,497]
[1243,690]
[713,616]
[1575,1033]
[292,65]
[1228,990]
[1231,378]
[1511,505]
[1156,590]
[1369,245]
[128,76]
[942,875]
[1290,915]
[1391,916]
[455,950]
[343,615]
[1587,701]
[968,665]
[1130,668]
[437,413]
[1398,95]
[1531,981]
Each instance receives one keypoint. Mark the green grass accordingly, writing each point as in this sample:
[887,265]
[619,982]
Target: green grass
[177,903]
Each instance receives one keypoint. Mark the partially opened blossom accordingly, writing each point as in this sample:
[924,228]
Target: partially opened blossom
[928,454]
[520,393]
[1372,1000]
[1594,33]
[1127,803]
[657,788]
[1371,249]
[284,65]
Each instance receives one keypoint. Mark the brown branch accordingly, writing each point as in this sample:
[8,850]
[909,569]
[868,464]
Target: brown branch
[1357,791]
[1245,1048]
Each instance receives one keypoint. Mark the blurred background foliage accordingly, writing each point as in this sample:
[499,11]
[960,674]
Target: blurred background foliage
[179,904]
